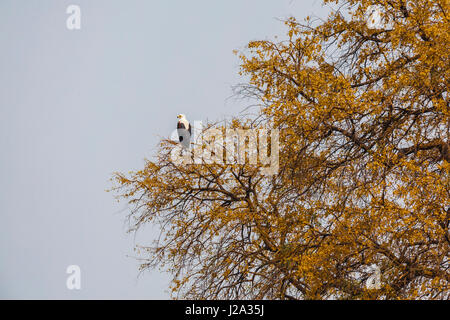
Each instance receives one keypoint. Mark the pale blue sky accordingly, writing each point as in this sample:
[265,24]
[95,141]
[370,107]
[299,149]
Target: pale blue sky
[78,105]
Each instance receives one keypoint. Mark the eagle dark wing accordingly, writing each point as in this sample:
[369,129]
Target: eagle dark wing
[180,128]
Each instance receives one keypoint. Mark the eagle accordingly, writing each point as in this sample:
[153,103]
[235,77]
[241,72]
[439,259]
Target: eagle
[184,131]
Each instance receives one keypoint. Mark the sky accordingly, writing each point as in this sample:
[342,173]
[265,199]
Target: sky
[78,105]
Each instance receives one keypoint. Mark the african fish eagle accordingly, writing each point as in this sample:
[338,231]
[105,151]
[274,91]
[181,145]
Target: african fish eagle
[184,131]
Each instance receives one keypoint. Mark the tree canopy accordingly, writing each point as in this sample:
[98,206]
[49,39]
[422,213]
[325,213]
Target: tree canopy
[363,175]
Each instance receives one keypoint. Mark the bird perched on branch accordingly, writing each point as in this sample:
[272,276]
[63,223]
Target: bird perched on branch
[184,131]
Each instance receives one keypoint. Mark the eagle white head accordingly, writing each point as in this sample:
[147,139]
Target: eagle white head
[181,116]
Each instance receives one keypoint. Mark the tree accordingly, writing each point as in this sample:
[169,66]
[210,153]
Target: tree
[363,177]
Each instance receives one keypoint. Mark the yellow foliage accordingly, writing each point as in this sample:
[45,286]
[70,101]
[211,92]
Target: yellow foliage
[364,167]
